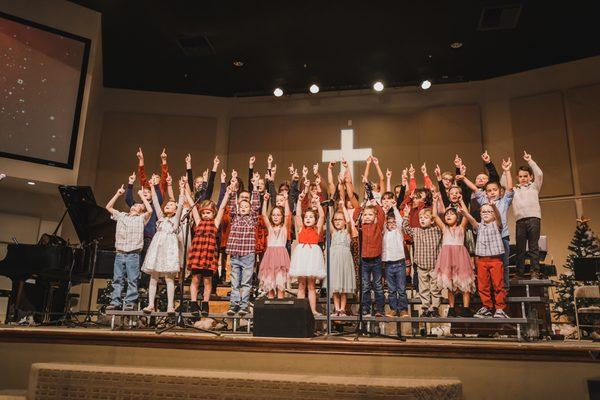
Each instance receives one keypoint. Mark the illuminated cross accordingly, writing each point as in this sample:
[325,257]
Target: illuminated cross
[347,152]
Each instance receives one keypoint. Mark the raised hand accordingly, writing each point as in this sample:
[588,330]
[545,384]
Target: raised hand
[301,196]
[181,184]
[457,161]
[163,156]
[344,163]
[255,178]
[306,184]
[526,156]
[486,157]
[406,210]
[506,164]
[121,190]
[140,193]
[369,159]
[295,174]
[388,173]
[315,169]
[233,174]
[304,171]
[267,196]
[291,169]
[463,169]
[216,163]
[132,178]
[270,159]
[205,175]
[169,180]
[411,171]
[331,164]
[424,169]
[438,172]
[251,162]
[140,154]
[318,180]
[223,176]
[375,160]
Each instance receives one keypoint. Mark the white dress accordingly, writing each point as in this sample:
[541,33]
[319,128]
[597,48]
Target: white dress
[307,257]
[163,255]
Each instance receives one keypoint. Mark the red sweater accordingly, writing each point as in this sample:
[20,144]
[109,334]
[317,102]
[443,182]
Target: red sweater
[372,234]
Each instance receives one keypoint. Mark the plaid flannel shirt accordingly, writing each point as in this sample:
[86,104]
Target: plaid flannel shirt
[129,234]
[489,240]
[242,239]
[427,244]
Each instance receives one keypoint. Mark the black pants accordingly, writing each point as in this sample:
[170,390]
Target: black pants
[528,237]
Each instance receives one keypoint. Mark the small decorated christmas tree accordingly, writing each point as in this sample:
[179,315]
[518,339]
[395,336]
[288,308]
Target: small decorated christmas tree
[584,244]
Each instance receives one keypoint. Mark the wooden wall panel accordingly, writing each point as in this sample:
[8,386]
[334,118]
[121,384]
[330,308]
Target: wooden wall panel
[538,124]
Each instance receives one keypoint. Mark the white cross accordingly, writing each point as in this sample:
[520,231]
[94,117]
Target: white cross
[347,152]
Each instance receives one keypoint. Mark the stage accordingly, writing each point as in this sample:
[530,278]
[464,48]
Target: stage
[487,369]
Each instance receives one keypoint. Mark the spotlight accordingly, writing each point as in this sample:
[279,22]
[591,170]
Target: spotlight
[425,84]
[456,45]
[314,89]
[378,86]
[278,92]
[238,63]
[32,183]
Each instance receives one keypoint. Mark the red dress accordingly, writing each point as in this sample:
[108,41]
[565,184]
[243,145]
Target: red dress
[203,252]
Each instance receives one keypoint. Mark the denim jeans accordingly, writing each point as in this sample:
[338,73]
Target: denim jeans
[505,257]
[395,276]
[126,265]
[242,268]
[372,272]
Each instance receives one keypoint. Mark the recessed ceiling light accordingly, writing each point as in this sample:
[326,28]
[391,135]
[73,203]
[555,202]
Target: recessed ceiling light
[426,84]
[32,183]
[314,89]
[456,45]
[378,86]
[238,63]
[278,92]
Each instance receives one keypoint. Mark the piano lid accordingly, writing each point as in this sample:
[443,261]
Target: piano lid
[91,221]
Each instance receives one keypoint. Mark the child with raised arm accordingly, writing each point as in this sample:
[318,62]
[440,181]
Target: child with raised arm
[203,257]
[528,213]
[241,246]
[342,276]
[427,241]
[307,263]
[129,241]
[275,264]
[489,251]
[395,261]
[162,258]
[453,267]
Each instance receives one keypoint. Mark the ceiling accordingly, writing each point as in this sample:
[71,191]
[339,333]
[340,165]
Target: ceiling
[191,46]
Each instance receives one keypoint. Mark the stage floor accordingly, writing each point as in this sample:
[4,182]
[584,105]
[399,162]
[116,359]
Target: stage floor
[578,351]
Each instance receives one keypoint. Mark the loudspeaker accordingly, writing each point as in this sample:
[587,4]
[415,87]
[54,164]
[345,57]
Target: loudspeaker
[283,318]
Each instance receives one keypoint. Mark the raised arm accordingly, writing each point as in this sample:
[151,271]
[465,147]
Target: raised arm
[468,218]
[222,188]
[350,222]
[321,220]
[330,182]
[409,230]
[251,162]
[265,212]
[164,172]
[298,218]
[467,183]
[379,174]
[221,211]
[506,166]
[350,186]
[180,203]
[141,169]
[211,179]
[538,175]
[156,203]
[111,203]
[188,170]
[129,191]
[436,218]
[195,212]
[148,212]
[170,193]
[367,168]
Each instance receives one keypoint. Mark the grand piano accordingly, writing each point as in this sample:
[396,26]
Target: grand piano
[42,274]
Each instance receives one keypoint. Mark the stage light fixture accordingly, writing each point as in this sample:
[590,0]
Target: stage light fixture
[238,63]
[278,92]
[456,45]
[314,89]
[378,86]
[426,84]
[32,183]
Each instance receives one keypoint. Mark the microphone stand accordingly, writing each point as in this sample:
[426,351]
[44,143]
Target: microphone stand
[93,257]
[180,322]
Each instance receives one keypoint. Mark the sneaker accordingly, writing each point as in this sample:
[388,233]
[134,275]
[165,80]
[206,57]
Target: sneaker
[378,314]
[434,312]
[194,309]
[425,313]
[403,314]
[112,307]
[129,307]
[391,314]
[500,314]
[242,312]
[466,313]
[171,310]
[451,312]
[231,312]
[204,309]
[483,312]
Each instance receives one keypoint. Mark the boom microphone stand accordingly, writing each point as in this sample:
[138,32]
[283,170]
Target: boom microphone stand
[180,322]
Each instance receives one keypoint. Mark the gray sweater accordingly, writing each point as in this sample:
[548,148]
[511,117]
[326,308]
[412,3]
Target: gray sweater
[526,201]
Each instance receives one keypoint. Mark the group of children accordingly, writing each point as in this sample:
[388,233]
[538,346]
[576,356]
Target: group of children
[431,234]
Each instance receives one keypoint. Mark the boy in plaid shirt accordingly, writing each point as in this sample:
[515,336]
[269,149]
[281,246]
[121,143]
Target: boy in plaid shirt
[241,248]
[427,243]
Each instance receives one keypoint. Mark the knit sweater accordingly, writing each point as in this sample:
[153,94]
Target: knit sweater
[526,201]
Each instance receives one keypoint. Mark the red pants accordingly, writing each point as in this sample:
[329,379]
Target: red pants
[490,270]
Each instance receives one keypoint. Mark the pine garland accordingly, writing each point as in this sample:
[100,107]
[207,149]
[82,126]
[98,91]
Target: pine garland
[584,244]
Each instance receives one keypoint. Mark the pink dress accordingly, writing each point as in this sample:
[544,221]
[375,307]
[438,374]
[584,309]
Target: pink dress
[275,264]
[453,267]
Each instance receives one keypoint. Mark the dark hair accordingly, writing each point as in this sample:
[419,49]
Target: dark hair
[427,195]
[240,183]
[282,184]
[315,213]
[388,195]
[527,169]
[492,183]
[455,212]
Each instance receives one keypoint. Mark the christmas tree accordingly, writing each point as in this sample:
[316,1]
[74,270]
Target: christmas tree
[584,244]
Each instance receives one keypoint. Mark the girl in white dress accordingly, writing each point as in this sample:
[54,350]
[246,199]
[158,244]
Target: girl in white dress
[162,258]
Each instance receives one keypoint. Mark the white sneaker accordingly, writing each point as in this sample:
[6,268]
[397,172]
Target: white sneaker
[500,314]
[483,312]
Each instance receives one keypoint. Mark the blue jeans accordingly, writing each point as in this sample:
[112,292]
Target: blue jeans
[242,268]
[372,272]
[126,265]
[395,276]
[505,256]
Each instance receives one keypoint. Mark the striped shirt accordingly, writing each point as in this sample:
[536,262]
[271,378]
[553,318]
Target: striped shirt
[129,235]
[427,244]
[242,240]
[489,240]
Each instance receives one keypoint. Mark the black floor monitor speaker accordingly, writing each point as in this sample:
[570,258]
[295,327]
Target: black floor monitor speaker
[283,318]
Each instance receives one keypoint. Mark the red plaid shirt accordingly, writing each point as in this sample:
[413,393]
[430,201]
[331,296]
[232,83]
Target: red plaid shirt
[242,239]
